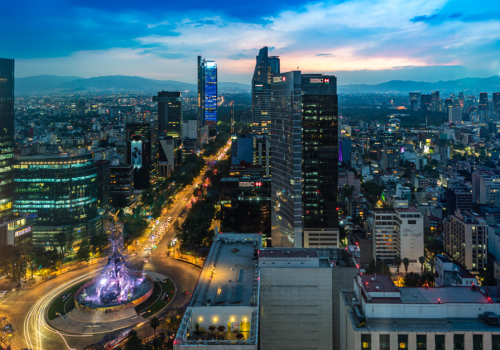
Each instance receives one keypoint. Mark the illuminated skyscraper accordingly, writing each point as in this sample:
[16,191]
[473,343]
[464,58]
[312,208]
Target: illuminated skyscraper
[304,162]
[261,91]
[170,119]
[207,95]
[6,136]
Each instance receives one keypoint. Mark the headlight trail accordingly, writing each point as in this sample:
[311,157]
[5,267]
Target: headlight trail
[35,319]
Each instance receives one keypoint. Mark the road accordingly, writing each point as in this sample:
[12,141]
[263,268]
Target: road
[26,307]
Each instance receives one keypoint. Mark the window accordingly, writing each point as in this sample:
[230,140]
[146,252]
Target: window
[458,342]
[439,342]
[384,341]
[495,342]
[412,222]
[421,341]
[477,341]
[366,341]
[403,341]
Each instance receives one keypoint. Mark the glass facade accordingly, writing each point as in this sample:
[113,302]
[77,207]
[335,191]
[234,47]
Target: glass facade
[170,119]
[320,151]
[56,194]
[207,95]
[304,162]
[261,91]
[139,140]
[6,136]
[286,160]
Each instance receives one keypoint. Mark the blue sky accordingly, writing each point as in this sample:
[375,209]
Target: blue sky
[368,41]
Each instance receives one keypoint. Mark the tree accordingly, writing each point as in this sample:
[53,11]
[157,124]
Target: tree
[83,253]
[62,245]
[212,328]
[239,336]
[398,262]
[221,329]
[348,191]
[154,323]
[98,243]
[421,260]
[406,263]
[133,342]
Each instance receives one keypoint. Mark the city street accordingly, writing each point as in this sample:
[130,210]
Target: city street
[26,307]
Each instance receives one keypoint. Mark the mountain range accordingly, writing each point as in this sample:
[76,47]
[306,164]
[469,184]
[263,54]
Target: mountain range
[48,84]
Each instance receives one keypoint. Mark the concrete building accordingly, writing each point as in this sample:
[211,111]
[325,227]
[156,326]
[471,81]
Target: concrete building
[227,294]
[466,240]
[299,304]
[399,231]
[190,129]
[488,187]
[450,273]
[390,157]
[454,114]
[377,315]
[459,196]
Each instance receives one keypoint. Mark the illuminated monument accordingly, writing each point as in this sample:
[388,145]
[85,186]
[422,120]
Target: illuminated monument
[119,285]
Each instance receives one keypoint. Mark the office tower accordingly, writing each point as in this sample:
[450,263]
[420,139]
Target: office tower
[232,117]
[6,137]
[121,185]
[138,152]
[170,119]
[262,154]
[466,240]
[436,102]
[190,136]
[207,95]
[103,178]
[455,114]
[425,102]
[415,101]
[58,194]
[14,230]
[483,101]
[304,141]
[448,103]
[242,149]
[496,102]
[399,232]
[261,90]
[461,100]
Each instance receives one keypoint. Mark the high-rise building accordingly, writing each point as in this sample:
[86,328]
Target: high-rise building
[425,102]
[261,91]
[207,95]
[415,101]
[483,101]
[6,136]
[390,156]
[436,102]
[459,196]
[170,119]
[138,138]
[304,143]
[496,101]
[121,185]
[58,194]
[466,240]
[103,176]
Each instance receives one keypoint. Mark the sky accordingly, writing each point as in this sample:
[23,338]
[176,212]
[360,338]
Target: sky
[360,41]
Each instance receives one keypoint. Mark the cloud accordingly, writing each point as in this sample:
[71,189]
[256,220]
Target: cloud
[373,35]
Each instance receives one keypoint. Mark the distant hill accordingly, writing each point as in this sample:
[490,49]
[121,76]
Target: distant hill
[40,84]
[45,84]
[491,84]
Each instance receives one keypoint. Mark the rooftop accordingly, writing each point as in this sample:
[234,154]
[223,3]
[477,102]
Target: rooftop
[228,275]
[442,295]
[281,253]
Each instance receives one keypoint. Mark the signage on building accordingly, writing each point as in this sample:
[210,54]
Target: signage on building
[136,154]
[279,79]
[247,184]
[23,231]
[319,81]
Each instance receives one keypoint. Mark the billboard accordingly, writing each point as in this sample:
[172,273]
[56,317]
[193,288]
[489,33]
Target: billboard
[136,154]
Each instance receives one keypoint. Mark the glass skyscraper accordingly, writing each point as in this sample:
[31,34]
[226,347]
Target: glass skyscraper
[265,67]
[207,95]
[6,137]
[304,142]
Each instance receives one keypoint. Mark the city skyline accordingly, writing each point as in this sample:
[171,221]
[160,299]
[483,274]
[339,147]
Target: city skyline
[358,41]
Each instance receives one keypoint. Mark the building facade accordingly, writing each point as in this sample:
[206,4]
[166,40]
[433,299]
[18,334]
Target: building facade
[466,240]
[139,140]
[57,194]
[121,185]
[265,67]
[6,137]
[207,95]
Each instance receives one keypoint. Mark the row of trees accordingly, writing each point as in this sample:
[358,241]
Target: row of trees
[18,261]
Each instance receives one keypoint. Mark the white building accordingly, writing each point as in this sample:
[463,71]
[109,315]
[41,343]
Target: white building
[455,114]
[488,187]
[190,129]
[399,231]
[377,315]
